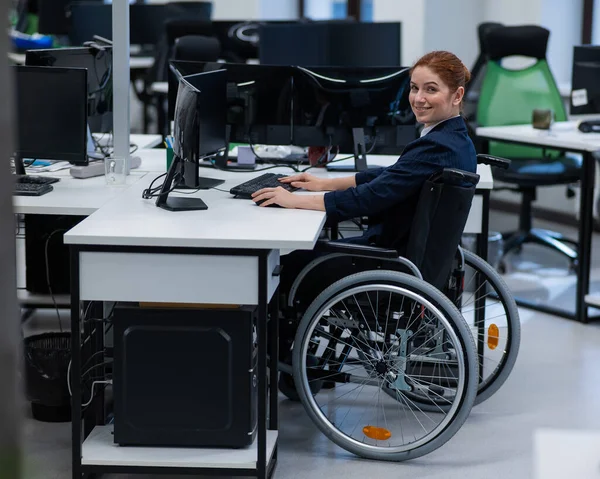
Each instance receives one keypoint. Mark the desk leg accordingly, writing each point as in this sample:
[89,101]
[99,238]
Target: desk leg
[273,354]
[261,330]
[75,367]
[586,205]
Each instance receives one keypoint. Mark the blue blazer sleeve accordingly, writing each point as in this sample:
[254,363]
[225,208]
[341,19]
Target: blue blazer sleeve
[368,175]
[391,186]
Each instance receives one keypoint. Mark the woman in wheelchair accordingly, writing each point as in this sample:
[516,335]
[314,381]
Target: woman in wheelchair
[384,362]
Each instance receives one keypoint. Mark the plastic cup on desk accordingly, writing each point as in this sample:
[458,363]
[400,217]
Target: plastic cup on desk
[114,170]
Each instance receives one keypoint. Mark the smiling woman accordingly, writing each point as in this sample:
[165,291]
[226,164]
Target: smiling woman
[437,87]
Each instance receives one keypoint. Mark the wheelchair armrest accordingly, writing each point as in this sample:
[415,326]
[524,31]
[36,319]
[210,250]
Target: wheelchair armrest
[356,249]
[493,161]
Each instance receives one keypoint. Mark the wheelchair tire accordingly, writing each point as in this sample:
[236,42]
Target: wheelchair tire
[496,379]
[420,295]
[490,380]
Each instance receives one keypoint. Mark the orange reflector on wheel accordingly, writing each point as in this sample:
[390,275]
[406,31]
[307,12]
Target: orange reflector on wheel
[378,433]
[493,336]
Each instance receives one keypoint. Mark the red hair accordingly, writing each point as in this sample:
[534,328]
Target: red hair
[447,66]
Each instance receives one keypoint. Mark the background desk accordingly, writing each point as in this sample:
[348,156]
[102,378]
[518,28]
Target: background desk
[566,137]
[135,63]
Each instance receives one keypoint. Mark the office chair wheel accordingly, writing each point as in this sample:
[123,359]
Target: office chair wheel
[379,329]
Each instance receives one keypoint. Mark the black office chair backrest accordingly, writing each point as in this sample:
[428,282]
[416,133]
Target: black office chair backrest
[473,88]
[440,218]
[197,48]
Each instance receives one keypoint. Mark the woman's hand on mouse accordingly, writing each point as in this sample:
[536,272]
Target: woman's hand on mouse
[306,182]
[275,196]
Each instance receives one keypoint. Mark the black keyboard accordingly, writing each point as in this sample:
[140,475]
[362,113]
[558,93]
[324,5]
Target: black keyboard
[32,189]
[36,180]
[266,180]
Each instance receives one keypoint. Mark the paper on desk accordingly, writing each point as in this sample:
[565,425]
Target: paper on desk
[54,166]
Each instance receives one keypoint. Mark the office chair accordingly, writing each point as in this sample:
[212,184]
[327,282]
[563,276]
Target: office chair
[197,48]
[508,97]
[178,44]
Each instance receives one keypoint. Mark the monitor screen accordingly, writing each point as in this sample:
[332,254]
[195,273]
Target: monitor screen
[146,21]
[51,113]
[340,44]
[258,100]
[330,101]
[585,80]
[98,63]
[199,122]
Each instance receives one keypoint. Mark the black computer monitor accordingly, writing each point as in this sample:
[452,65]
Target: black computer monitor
[51,115]
[98,62]
[344,44]
[199,132]
[585,80]
[365,110]
[145,20]
[258,100]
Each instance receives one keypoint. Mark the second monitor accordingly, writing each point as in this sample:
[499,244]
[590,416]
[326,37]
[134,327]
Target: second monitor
[198,133]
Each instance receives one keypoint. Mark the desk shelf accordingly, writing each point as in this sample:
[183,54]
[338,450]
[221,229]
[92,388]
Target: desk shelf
[593,300]
[31,299]
[99,449]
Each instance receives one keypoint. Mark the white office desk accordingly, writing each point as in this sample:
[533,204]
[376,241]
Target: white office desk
[73,196]
[566,137]
[130,250]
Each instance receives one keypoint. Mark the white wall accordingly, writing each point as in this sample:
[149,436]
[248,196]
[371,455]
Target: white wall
[412,15]
[237,9]
[452,26]
[512,12]
[278,9]
[318,9]
[563,19]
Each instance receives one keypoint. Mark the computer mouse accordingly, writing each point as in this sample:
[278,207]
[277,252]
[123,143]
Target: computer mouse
[591,126]
[258,203]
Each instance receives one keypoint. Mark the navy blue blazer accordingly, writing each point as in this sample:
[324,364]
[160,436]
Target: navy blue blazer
[388,196]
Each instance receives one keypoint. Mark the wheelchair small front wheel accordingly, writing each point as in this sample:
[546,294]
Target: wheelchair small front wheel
[381,331]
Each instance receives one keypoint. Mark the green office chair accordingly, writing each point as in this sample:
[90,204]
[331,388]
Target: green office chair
[508,97]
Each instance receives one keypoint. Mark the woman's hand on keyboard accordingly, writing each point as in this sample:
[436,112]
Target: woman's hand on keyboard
[306,182]
[275,196]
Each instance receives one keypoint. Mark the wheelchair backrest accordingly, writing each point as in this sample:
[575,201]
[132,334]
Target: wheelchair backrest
[441,215]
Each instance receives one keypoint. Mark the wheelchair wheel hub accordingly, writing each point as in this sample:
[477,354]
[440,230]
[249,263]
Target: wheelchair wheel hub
[381,368]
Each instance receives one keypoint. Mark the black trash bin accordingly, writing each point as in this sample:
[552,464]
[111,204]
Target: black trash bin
[47,359]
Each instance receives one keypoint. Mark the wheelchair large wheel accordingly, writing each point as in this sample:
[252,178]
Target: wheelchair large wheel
[380,331]
[491,312]
[493,317]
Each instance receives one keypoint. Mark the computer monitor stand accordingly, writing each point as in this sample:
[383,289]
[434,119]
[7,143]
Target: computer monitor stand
[175,203]
[19,165]
[360,153]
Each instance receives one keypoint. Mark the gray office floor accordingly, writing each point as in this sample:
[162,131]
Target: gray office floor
[555,383]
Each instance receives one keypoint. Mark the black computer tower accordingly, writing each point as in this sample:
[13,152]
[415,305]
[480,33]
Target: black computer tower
[184,377]
[46,255]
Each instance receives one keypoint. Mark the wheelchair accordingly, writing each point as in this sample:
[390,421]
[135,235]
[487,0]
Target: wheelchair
[389,359]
